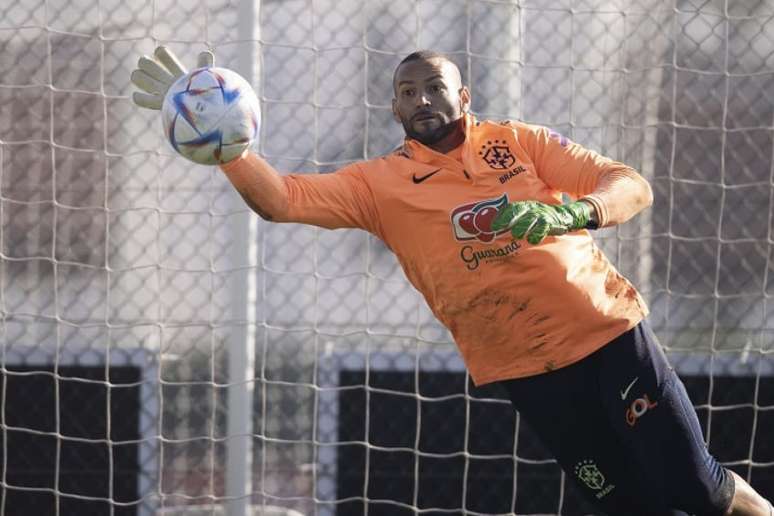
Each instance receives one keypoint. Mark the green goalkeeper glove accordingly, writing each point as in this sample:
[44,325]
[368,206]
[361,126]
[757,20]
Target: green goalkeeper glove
[154,75]
[535,220]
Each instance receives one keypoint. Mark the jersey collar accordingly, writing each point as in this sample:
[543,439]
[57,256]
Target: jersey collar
[417,151]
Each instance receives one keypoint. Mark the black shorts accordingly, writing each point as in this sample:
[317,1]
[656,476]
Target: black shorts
[620,423]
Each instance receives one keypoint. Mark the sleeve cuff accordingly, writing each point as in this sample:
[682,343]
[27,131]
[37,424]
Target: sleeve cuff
[600,207]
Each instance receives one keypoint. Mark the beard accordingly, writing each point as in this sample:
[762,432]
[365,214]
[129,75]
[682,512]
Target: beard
[433,136]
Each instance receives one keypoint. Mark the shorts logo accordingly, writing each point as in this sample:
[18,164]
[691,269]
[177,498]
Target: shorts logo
[588,473]
[638,408]
[473,221]
[625,392]
[497,154]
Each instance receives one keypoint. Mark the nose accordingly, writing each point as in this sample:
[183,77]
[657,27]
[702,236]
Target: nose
[422,100]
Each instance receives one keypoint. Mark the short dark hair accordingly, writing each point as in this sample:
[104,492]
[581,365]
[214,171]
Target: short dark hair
[420,55]
[424,55]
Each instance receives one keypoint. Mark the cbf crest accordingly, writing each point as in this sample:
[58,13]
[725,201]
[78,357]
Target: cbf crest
[588,473]
[497,154]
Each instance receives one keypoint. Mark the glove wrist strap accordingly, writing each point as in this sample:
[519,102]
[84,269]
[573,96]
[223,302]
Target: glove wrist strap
[582,215]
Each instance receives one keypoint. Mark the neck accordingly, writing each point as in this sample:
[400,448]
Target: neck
[452,140]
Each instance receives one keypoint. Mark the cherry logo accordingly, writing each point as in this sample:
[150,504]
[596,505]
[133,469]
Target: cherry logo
[484,218]
[473,221]
[467,222]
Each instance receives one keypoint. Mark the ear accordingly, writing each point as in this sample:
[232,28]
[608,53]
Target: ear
[395,114]
[465,99]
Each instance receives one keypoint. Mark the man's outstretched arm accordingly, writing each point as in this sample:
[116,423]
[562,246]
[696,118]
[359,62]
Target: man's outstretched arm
[260,185]
[339,199]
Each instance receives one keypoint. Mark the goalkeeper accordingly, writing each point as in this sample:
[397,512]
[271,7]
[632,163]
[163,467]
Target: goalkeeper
[473,211]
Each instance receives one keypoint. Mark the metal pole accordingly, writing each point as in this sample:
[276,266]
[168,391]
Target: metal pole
[241,356]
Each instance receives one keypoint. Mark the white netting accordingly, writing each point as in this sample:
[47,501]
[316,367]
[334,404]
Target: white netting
[128,274]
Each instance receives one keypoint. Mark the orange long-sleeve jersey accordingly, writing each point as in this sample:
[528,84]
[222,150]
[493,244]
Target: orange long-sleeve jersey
[514,309]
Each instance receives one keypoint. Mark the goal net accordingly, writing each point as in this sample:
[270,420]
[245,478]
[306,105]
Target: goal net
[165,351]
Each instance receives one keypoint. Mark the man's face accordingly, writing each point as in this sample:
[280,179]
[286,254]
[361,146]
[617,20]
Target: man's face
[429,96]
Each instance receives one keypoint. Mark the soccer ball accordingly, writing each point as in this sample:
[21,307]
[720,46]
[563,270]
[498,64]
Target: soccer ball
[210,115]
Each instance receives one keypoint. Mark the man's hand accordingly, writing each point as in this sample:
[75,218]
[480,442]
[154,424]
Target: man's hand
[535,220]
[154,75]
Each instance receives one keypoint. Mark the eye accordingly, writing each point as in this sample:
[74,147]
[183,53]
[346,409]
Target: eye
[408,92]
[436,88]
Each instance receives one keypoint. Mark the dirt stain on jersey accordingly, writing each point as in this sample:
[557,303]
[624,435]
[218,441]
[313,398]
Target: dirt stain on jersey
[539,344]
[486,304]
[518,308]
[599,262]
[536,319]
[614,283]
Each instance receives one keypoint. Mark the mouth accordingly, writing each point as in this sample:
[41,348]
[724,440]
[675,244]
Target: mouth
[423,117]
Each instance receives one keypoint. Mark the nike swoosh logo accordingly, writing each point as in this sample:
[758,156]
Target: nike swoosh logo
[418,180]
[625,393]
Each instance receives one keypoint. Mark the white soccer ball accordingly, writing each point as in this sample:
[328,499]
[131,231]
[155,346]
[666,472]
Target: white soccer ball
[211,115]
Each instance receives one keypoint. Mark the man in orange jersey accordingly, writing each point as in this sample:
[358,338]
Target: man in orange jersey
[473,211]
